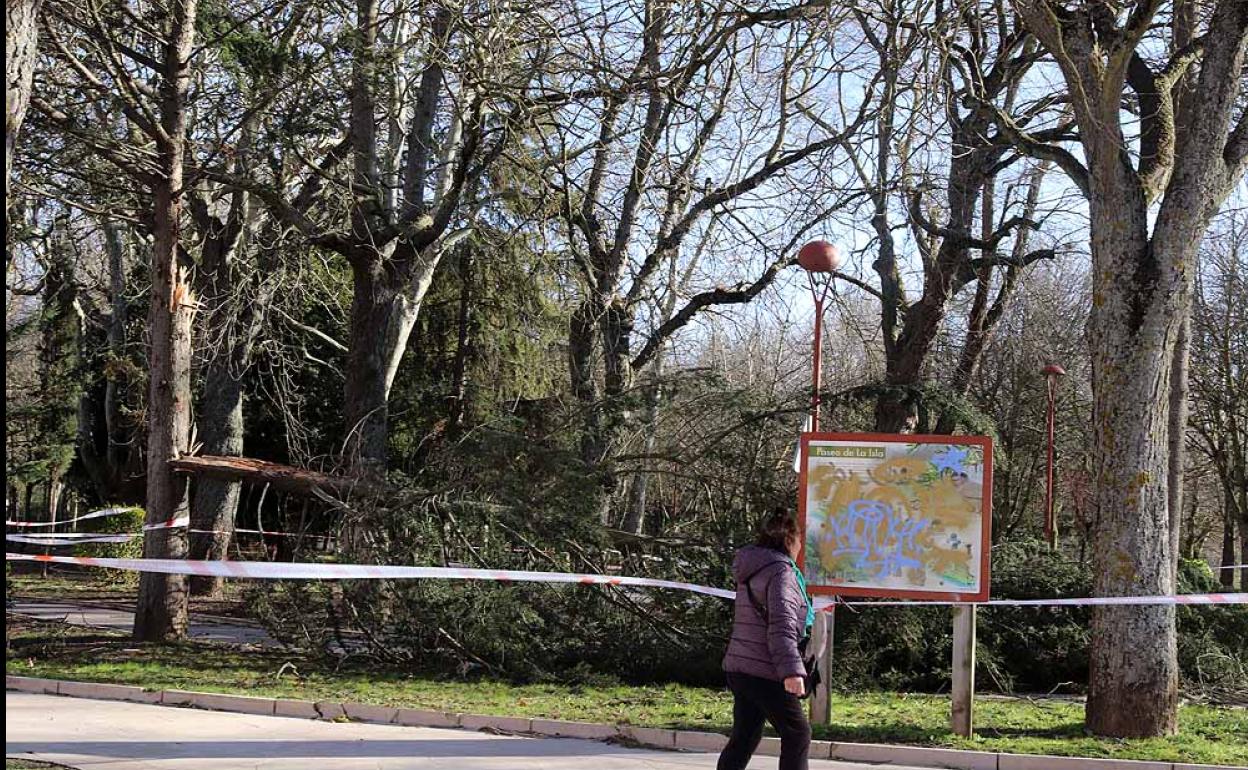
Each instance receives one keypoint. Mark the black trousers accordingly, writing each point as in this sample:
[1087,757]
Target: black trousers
[754,700]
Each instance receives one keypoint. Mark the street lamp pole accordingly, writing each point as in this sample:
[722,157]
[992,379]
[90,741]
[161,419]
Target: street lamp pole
[818,258]
[1051,372]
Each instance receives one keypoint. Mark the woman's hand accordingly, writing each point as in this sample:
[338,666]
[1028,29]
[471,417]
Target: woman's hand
[795,686]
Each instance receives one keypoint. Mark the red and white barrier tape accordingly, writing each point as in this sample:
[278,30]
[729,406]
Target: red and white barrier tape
[33,536]
[52,540]
[174,523]
[307,571]
[84,517]
[73,538]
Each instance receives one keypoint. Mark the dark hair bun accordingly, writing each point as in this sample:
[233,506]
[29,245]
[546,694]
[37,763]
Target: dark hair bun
[778,529]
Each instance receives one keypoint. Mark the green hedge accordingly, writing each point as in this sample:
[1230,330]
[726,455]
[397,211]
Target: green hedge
[129,521]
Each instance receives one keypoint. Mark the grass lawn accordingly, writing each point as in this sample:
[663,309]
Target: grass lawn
[1213,735]
[66,585]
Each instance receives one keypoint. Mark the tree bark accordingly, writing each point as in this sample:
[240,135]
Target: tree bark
[107,444]
[1178,436]
[1134,331]
[383,312]
[280,477]
[215,501]
[161,607]
[465,345]
[635,515]
[1226,575]
[21,42]
[584,345]
[117,454]
[1142,285]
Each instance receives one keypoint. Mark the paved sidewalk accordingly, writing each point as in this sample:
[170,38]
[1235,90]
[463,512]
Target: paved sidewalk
[94,734]
[122,620]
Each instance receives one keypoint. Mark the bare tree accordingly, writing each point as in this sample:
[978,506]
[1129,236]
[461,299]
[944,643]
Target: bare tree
[148,84]
[1181,153]
[160,610]
[962,64]
[239,259]
[646,160]
[1219,376]
[420,132]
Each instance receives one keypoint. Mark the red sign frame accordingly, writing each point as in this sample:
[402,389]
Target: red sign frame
[984,442]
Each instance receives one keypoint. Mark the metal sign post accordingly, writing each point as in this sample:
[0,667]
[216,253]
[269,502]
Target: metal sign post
[821,642]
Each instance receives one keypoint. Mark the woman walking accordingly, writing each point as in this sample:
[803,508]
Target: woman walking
[773,616]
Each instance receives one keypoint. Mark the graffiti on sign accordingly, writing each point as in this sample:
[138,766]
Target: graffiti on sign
[895,516]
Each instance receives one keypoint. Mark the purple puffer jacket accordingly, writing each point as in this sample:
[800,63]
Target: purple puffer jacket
[766,648]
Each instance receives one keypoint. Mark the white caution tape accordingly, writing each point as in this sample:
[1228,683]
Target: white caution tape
[52,540]
[33,536]
[307,571]
[178,522]
[84,517]
[174,523]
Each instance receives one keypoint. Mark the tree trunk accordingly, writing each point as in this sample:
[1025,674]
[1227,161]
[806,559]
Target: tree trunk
[215,501]
[635,516]
[1140,298]
[21,42]
[1178,436]
[106,443]
[1226,575]
[55,487]
[160,611]
[897,408]
[464,343]
[617,333]
[599,410]
[382,316]
[117,455]
[583,344]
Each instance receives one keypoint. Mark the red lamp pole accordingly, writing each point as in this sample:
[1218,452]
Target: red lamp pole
[817,378]
[1051,373]
[818,257]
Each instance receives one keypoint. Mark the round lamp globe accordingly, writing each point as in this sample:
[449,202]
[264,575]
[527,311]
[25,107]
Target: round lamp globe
[820,257]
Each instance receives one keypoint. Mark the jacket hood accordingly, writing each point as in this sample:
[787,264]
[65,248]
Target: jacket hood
[753,558]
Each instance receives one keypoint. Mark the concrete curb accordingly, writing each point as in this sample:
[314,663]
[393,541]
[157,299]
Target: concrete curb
[648,737]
